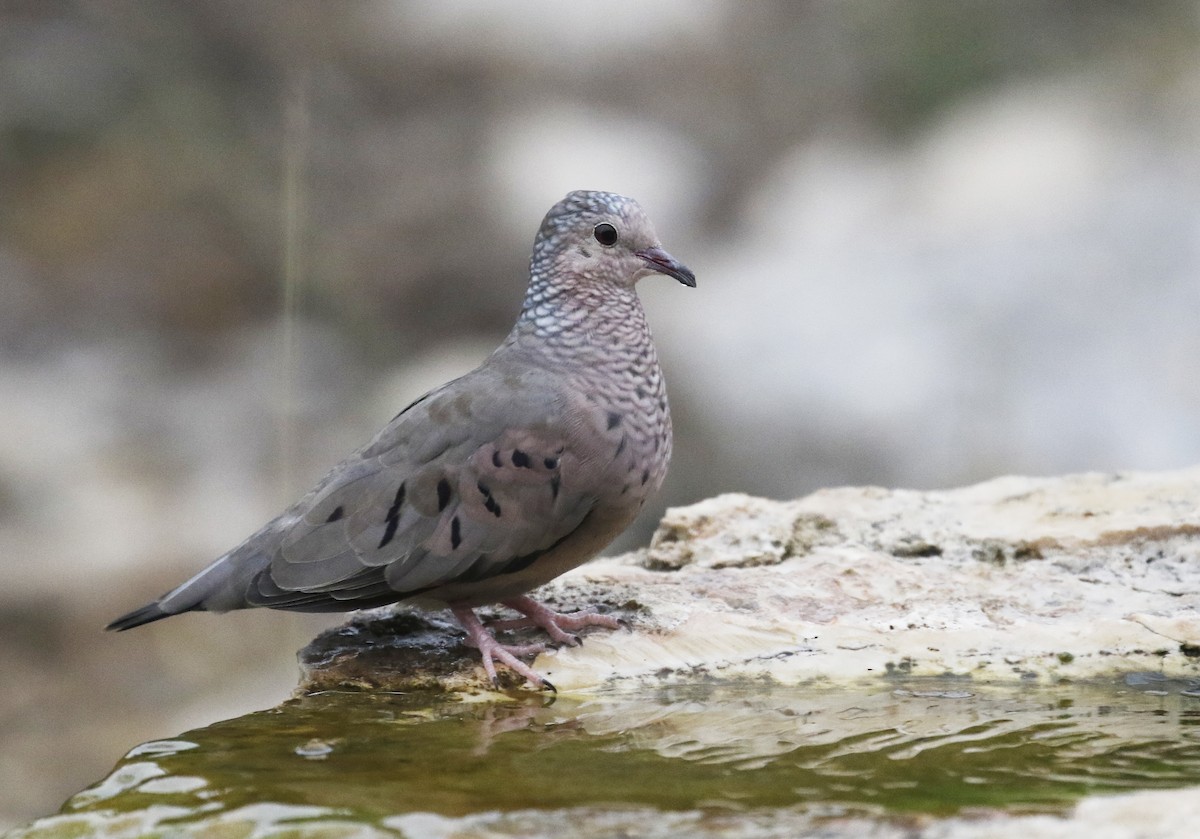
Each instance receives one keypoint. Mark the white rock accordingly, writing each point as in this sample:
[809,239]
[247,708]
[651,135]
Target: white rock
[1017,579]
[1078,577]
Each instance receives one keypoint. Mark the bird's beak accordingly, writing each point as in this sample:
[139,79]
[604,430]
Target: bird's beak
[662,262]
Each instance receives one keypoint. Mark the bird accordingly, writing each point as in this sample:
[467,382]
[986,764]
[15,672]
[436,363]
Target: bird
[498,481]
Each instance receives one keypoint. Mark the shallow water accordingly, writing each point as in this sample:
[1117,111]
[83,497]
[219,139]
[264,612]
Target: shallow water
[928,747]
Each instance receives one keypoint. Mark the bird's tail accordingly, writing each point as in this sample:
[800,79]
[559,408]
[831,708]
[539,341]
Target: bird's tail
[218,588]
[146,614]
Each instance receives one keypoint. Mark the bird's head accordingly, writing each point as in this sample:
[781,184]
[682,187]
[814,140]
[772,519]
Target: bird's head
[603,236]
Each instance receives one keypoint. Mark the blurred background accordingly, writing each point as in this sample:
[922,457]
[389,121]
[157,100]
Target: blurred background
[936,241]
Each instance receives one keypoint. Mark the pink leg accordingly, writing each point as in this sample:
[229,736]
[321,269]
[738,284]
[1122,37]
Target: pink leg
[489,649]
[557,625]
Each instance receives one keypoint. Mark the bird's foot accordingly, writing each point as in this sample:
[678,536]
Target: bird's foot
[491,650]
[558,625]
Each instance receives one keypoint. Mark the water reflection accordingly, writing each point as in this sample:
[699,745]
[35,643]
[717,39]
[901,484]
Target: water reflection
[921,747]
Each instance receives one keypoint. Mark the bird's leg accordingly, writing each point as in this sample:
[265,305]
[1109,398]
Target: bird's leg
[489,649]
[559,626]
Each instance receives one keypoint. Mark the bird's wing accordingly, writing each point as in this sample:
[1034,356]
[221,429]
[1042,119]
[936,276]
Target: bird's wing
[476,479]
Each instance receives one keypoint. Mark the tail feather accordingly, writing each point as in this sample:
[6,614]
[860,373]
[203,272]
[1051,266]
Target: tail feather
[218,588]
[146,614]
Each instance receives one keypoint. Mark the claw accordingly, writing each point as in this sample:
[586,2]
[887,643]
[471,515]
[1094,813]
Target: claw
[491,650]
[555,624]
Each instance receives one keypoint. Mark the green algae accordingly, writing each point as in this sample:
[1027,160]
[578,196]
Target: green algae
[342,761]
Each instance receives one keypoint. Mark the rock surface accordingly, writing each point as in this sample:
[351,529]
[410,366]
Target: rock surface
[1043,579]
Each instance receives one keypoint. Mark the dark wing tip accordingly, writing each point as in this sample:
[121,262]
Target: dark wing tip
[146,614]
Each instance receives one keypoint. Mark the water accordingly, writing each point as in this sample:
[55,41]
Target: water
[379,761]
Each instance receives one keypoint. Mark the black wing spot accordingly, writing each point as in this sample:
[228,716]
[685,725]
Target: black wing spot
[443,491]
[336,515]
[496,459]
[392,518]
[550,463]
[521,460]
[455,533]
[621,446]
[489,502]
[614,419]
[483,567]
[645,476]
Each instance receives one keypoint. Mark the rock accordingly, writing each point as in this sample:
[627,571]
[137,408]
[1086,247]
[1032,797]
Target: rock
[1032,579]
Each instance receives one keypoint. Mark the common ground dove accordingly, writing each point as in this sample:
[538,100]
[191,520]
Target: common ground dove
[498,481]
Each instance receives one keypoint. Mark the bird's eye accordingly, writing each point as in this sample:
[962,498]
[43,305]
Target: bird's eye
[605,234]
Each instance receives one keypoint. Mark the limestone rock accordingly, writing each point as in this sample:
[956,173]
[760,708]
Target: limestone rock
[1078,577]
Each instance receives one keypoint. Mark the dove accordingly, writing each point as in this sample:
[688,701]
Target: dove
[497,482]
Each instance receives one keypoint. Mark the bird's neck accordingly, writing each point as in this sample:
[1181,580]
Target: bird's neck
[579,318]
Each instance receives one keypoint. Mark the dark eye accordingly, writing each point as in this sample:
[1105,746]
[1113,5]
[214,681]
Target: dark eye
[605,234]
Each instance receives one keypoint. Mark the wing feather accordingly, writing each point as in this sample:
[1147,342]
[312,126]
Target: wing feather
[465,484]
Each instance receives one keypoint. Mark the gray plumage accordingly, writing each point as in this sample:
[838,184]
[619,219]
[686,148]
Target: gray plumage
[500,480]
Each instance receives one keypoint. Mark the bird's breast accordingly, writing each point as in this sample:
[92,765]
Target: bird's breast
[625,429]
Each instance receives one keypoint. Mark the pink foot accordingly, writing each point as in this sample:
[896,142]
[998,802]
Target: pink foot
[491,650]
[560,627]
